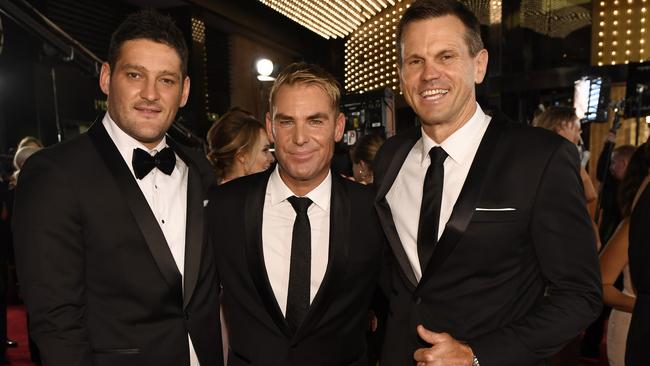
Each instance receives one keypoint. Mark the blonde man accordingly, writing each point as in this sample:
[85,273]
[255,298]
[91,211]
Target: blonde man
[298,248]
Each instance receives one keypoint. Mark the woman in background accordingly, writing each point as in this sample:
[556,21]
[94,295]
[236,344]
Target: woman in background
[639,254]
[614,260]
[238,146]
[363,155]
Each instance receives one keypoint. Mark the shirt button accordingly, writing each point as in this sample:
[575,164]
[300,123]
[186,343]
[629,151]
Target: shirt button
[163,221]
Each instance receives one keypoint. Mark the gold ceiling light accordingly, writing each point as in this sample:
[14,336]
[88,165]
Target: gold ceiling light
[330,18]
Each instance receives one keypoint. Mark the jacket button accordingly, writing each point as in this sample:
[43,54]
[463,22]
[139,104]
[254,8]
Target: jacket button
[417,300]
[187,315]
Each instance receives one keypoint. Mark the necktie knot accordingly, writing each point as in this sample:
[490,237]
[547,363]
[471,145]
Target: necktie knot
[143,162]
[300,204]
[437,155]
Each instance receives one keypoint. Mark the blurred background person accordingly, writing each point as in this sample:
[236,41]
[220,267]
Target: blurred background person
[610,175]
[564,121]
[362,155]
[639,254]
[26,148]
[238,146]
[614,261]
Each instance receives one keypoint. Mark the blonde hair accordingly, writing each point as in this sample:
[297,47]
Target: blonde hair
[29,141]
[555,118]
[304,73]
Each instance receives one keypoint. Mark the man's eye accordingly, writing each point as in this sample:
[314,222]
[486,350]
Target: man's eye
[133,75]
[168,81]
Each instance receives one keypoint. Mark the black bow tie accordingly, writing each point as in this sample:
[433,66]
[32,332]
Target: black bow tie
[143,162]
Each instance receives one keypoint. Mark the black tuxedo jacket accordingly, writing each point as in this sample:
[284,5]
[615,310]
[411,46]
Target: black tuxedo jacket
[333,333]
[516,285]
[100,283]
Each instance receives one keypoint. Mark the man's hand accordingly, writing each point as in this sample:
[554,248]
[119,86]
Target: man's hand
[444,351]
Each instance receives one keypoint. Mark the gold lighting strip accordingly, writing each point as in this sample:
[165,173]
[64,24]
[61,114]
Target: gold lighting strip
[370,53]
[619,32]
[330,18]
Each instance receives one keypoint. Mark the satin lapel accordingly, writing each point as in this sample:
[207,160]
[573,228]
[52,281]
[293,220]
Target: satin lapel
[253,214]
[383,209]
[194,226]
[467,200]
[339,241]
[138,205]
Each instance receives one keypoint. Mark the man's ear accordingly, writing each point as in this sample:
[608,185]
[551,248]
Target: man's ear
[339,127]
[105,78]
[480,65]
[269,127]
[186,91]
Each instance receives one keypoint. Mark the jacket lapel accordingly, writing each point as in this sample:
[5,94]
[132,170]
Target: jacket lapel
[253,214]
[340,218]
[467,200]
[194,226]
[386,180]
[138,205]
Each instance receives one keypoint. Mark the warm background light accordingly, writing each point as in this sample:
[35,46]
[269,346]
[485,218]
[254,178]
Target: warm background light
[619,32]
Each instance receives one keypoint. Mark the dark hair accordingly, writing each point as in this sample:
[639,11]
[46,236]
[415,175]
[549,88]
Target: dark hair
[366,148]
[148,24]
[426,9]
[635,173]
[625,151]
[555,117]
[236,131]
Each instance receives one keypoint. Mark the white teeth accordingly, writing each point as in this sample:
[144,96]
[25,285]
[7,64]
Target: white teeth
[431,92]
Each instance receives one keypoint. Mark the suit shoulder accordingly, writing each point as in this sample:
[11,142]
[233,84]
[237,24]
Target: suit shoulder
[358,190]
[536,139]
[63,154]
[236,189]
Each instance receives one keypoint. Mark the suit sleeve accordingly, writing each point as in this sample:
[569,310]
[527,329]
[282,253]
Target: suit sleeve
[49,249]
[564,243]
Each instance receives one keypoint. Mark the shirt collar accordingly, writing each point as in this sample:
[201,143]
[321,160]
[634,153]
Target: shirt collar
[457,146]
[126,144]
[280,191]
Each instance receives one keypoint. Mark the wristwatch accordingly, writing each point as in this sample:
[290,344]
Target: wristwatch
[475,361]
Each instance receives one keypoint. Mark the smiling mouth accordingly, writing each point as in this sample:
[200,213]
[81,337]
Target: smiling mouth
[148,110]
[434,94]
[302,155]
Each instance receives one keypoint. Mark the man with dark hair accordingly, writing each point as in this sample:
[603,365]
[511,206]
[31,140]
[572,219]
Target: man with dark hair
[498,266]
[299,248]
[109,225]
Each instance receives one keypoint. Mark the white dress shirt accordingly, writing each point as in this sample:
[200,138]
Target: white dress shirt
[405,195]
[165,194]
[277,231]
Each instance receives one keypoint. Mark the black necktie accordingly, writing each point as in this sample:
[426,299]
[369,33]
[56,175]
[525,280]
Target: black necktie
[143,162]
[430,209]
[300,267]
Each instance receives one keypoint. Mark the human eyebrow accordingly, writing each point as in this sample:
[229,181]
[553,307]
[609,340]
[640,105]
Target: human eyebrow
[319,115]
[282,117]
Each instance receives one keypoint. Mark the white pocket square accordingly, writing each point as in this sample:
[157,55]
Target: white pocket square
[205,202]
[496,209]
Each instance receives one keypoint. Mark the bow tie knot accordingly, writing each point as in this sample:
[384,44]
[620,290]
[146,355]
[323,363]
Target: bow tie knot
[143,162]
